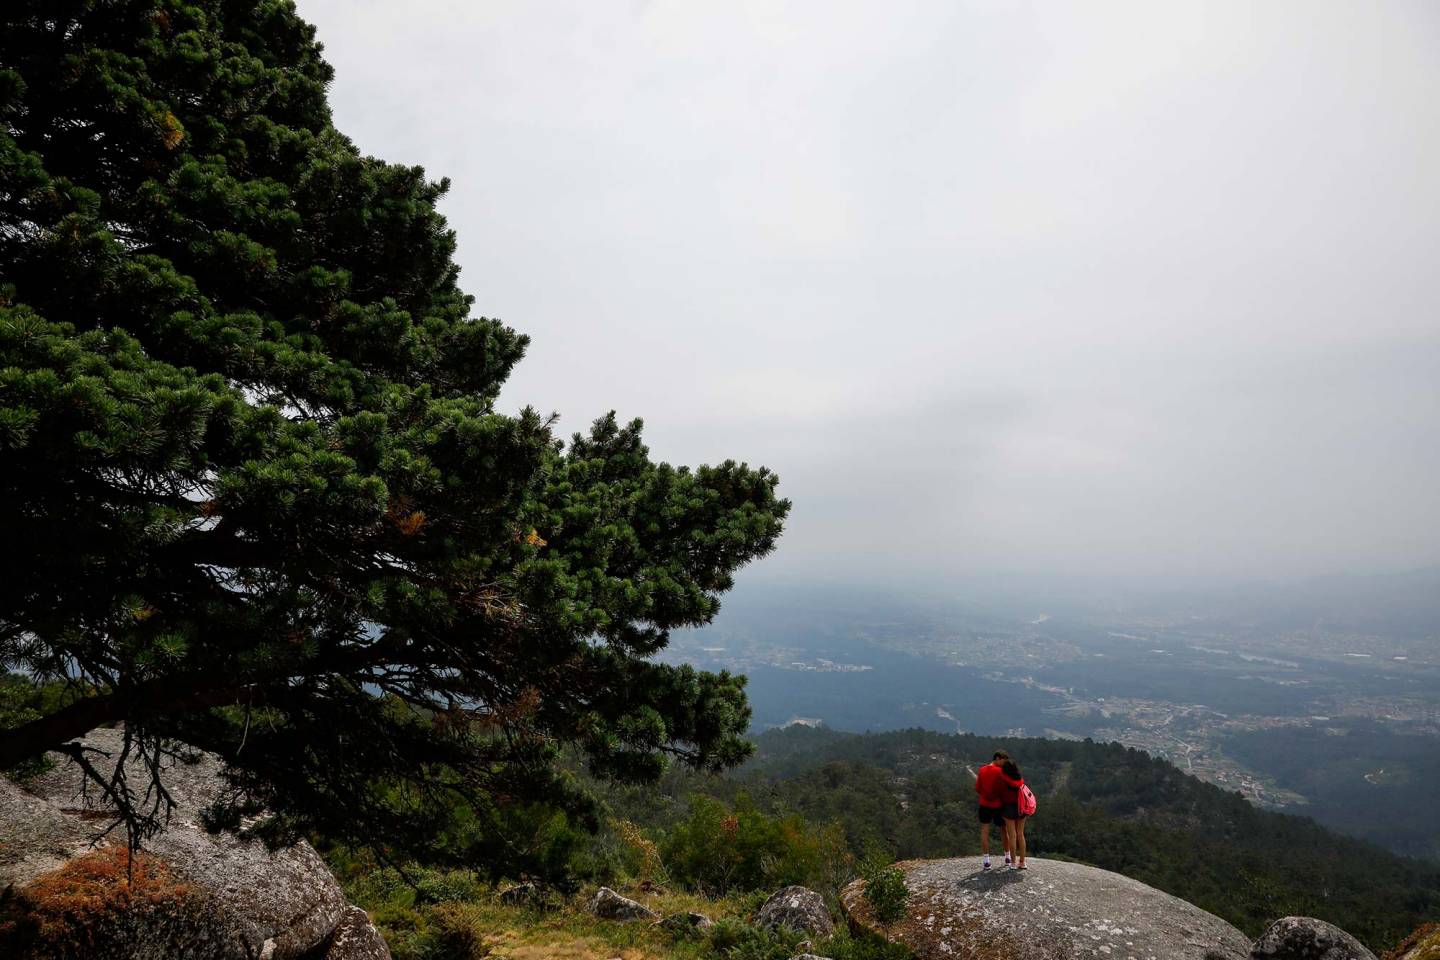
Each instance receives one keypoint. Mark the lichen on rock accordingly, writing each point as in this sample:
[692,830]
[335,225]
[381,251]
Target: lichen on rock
[797,908]
[609,905]
[355,938]
[1305,938]
[1053,911]
[235,896]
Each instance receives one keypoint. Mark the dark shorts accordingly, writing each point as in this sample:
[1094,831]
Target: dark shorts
[1011,811]
[991,815]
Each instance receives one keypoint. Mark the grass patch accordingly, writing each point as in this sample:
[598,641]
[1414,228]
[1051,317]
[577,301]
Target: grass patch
[447,915]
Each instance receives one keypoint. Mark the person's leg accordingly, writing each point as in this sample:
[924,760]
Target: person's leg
[1020,841]
[1009,837]
[984,816]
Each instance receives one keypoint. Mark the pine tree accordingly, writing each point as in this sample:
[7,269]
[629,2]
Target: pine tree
[256,493]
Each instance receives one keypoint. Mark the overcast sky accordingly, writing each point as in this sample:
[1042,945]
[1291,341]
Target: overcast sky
[1102,288]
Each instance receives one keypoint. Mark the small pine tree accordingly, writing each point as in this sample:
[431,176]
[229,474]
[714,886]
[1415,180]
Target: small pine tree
[885,889]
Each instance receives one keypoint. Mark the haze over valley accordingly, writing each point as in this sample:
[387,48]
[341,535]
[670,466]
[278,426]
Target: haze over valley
[1317,697]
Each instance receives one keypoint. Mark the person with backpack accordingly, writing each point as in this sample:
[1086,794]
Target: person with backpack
[987,789]
[1016,803]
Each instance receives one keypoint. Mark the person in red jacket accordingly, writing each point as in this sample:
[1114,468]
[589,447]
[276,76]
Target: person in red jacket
[987,789]
[1010,784]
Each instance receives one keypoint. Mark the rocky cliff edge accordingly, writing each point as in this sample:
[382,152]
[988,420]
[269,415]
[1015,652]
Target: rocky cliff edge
[1054,910]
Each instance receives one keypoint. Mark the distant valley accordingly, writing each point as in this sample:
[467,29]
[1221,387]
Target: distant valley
[1319,703]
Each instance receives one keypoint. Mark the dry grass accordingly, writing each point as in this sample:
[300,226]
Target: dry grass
[572,933]
[101,883]
[1423,944]
[96,902]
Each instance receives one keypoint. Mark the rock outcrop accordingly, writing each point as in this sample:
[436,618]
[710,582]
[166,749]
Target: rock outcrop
[355,938]
[1052,911]
[1305,938]
[798,908]
[609,905]
[235,896]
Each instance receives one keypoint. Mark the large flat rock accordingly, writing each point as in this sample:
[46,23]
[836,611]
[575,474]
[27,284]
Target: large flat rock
[1052,911]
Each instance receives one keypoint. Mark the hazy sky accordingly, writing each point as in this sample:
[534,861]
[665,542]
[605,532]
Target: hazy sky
[1112,288]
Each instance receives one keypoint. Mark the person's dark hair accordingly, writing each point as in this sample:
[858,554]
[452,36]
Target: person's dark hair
[1010,769]
[1000,755]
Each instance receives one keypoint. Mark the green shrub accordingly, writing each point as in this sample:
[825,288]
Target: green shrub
[458,932]
[719,849]
[886,891]
[735,940]
[727,934]
[442,886]
[844,946]
[406,929]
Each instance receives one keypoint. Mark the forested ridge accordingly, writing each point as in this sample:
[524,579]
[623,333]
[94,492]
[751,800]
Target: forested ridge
[910,794]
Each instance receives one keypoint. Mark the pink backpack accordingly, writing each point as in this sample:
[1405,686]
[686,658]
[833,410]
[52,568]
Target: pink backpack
[1027,801]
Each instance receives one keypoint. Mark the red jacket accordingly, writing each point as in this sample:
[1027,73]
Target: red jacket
[988,785]
[1009,789]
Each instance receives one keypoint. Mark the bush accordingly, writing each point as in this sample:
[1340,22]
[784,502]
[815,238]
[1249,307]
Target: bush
[885,891]
[442,886]
[641,854]
[458,933]
[734,940]
[843,946]
[406,929]
[719,850]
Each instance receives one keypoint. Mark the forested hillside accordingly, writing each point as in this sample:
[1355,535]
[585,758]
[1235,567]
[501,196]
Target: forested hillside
[1351,764]
[909,794]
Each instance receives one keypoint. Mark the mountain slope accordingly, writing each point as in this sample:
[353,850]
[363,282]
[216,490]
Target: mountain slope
[910,794]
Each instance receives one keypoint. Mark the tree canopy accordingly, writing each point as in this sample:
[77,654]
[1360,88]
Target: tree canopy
[257,494]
